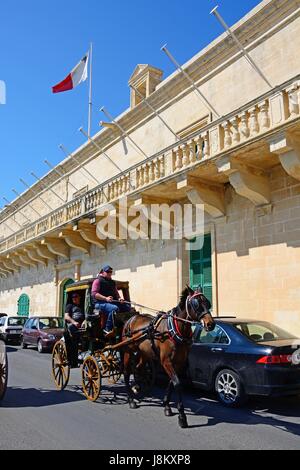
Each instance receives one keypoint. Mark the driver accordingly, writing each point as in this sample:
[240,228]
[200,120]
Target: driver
[106,297]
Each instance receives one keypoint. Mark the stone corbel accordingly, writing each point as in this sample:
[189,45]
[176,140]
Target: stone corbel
[26,259]
[88,233]
[56,246]
[17,261]
[248,182]
[4,269]
[32,254]
[3,274]
[45,253]
[9,266]
[202,192]
[288,150]
[74,240]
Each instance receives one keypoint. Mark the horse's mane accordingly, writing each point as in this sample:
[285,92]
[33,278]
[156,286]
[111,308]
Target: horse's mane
[183,296]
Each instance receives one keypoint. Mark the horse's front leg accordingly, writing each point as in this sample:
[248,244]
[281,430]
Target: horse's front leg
[168,366]
[127,372]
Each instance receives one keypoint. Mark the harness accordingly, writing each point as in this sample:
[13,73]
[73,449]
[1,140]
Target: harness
[174,332]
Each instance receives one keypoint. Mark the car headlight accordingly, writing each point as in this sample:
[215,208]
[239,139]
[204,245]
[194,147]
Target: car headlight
[51,337]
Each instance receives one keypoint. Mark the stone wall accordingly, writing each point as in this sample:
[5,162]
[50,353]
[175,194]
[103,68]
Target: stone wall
[149,266]
[259,256]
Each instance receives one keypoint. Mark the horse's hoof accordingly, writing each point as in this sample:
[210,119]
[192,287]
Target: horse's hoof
[182,421]
[132,405]
[168,412]
[136,389]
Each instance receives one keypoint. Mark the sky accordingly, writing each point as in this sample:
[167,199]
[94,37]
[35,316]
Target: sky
[40,43]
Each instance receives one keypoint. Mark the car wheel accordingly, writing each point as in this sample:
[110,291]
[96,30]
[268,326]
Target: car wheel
[40,346]
[229,389]
[24,345]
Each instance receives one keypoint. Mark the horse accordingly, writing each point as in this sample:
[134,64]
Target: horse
[168,338]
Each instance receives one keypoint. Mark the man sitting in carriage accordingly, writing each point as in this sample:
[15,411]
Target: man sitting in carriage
[106,297]
[74,317]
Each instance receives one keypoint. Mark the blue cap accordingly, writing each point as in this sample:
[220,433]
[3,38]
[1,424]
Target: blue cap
[106,268]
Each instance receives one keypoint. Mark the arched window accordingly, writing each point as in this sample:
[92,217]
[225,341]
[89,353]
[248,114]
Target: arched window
[23,305]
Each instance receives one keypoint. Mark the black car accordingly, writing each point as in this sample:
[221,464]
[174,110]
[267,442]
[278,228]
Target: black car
[245,357]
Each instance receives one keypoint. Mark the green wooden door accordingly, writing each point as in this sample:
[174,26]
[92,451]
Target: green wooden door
[23,305]
[200,268]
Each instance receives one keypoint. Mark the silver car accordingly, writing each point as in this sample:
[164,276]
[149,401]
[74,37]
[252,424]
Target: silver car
[11,328]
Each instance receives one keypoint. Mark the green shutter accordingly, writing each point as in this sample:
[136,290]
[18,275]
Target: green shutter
[200,268]
[23,305]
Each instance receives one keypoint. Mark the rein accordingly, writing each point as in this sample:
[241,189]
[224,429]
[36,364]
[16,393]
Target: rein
[183,320]
[173,330]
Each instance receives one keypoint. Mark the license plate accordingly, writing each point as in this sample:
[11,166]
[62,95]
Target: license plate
[14,332]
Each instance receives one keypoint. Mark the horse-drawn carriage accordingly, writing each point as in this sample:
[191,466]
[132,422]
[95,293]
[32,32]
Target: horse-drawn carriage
[3,370]
[99,357]
[139,341]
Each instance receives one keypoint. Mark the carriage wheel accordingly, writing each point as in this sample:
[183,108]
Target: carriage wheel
[91,378]
[60,365]
[3,370]
[110,364]
[144,377]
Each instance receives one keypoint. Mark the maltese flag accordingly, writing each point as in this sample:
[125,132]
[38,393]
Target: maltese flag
[78,74]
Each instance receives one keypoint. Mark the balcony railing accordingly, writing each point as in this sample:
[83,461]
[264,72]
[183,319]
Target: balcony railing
[275,109]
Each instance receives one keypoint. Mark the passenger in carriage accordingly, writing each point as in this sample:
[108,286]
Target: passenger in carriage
[74,315]
[106,297]
[74,318]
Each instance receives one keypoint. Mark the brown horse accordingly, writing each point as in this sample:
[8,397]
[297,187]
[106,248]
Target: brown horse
[167,338]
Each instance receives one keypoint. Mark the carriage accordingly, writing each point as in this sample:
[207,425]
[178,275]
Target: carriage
[98,357]
[3,370]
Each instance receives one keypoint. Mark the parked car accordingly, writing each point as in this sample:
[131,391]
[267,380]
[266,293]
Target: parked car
[11,328]
[3,315]
[42,332]
[245,357]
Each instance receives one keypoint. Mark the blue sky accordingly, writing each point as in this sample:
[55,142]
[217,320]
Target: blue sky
[41,41]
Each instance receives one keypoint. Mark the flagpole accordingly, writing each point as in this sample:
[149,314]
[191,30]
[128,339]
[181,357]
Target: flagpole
[90,90]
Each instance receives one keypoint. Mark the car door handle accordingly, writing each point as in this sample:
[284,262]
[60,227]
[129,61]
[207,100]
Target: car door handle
[215,350]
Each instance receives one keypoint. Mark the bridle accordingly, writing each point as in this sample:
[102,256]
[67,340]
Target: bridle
[189,303]
[172,320]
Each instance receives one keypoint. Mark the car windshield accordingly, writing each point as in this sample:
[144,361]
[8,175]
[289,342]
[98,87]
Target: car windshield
[46,323]
[16,321]
[263,331]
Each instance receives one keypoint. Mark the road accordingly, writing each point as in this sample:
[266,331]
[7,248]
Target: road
[34,415]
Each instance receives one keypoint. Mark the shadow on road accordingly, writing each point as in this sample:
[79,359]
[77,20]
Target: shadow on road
[11,349]
[18,397]
[267,411]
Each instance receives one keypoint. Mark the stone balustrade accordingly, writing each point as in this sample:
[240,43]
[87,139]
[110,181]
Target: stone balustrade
[277,108]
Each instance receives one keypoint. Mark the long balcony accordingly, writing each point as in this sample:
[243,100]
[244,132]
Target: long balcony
[246,142]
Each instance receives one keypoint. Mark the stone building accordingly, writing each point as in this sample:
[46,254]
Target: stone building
[241,161]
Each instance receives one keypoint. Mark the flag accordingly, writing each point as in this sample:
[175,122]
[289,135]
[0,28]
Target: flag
[78,74]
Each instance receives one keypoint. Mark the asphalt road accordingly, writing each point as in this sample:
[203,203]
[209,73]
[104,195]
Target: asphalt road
[34,415]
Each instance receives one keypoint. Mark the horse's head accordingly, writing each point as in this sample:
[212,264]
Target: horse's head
[198,308]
